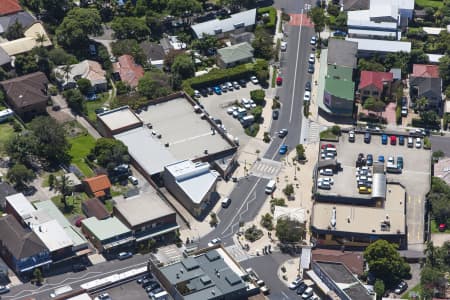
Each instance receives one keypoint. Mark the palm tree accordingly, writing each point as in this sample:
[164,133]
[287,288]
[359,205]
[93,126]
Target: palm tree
[41,39]
[64,186]
[66,69]
[431,253]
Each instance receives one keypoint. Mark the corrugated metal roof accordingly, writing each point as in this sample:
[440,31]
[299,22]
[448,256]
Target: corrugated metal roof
[379,186]
[381,45]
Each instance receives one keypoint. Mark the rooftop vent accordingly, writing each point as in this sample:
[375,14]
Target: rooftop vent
[333,218]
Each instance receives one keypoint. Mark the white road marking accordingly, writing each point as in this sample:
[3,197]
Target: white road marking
[296,66]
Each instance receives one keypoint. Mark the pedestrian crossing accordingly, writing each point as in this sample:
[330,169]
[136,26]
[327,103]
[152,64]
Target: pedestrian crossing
[314,132]
[266,168]
[237,252]
[169,254]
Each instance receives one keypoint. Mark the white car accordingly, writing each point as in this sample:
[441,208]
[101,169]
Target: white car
[312,58]
[254,80]
[229,86]
[390,160]
[404,111]
[197,94]
[294,284]
[236,85]
[230,110]
[133,180]
[307,96]
[104,296]
[324,186]
[328,180]
[214,242]
[418,143]
[313,40]
[326,172]
[283,46]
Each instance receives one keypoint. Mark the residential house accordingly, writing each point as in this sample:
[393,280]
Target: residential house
[31,38]
[154,53]
[171,42]
[426,82]
[237,38]
[88,69]
[24,18]
[21,248]
[375,84]
[126,70]
[148,216]
[72,181]
[236,23]
[109,235]
[98,186]
[9,7]
[94,208]
[369,47]
[234,55]
[5,59]
[192,184]
[27,95]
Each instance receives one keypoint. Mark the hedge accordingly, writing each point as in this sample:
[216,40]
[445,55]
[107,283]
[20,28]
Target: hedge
[272,16]
[398,115]
[217,76]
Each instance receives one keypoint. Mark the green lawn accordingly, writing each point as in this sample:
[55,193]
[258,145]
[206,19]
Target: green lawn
[91,106]
[434,228]
[73,207]
[416,289]
[6,131]
[81,146]
[327,134]
[430,3]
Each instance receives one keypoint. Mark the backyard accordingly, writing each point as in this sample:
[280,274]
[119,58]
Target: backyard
[6,131]
[81,146]
[91,106]
[429,3]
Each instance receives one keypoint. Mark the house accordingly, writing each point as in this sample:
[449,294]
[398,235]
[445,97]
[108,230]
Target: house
[192,184]
[24,18]
[21,248]
[98,186]
[72,181]
[354,261]
[94,208]
[375,84]
[88,69]
[234,55]
[4,57]
[27,95]
[30,40]
[426,82]
[108,235]
[154,53]
[171,42]
[210,274]
[236,23]
[126,70]
[237,38]
[369,47]
[9,7]
[148,216]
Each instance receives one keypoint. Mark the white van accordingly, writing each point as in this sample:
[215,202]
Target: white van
[270,187]
[226,202]
[161,296]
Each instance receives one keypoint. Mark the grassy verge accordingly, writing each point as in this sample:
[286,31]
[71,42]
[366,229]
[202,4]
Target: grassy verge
[430,3]
[81,146]
[91,106]
[417,290]
[435,229]
[6,131]
[328,134]
[274,77]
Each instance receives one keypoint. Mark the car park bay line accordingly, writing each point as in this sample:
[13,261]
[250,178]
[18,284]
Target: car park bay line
[296,67]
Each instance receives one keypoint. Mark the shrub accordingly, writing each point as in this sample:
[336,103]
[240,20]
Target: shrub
[267,221]
[398,115]
[253,233]
[266,137]
[258,96]
[252,130]
[426,143]
[53,90]
[306,109]
[257,112]
[300,152]
[288,190]
[213,222]
[270,21]
[276,103]
[336,130]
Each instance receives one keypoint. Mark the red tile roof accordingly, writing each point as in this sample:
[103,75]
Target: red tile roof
[97,185]
[129,71]
[8,7]
[429,71]
[374,78]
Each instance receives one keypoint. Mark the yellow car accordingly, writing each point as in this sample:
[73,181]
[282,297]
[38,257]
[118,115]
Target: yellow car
[364,190]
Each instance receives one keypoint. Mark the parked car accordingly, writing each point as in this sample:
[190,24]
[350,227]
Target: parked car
[351,136]
[369,159]
[400,162]
[217,90]
[384,139]
[326,180]
[210,90]
[124,255]
[214,242]
[442,227]
[401,287]
[313,40]
[404,111]
[381,158]
[295,284]
[279,80]
[243,82]
[393,140]
[254,80]
[224,87]
[307,293]
[312,58]
[275,114]
[78,221]
[418,143]
[4,289]
[196,94]
[133,180]
[390,160]
[340,33]
[326,172]
[324,185]
[236,85]
[308,86]
[311,68]
[410,142]
[367,137]
[325,146]
[401,140]
[104,296]
[229,86]
[301,289]
[307,96]
[204,92]
[282,133]
[283,149]
[283,46]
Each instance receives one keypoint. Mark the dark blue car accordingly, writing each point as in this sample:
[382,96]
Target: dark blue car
[384,139]
[283,149]
[381,158]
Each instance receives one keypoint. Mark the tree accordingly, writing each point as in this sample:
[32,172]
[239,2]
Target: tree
[155,23]
[336,130]
[205,44]
[25,64]
[154,84]
[421,104]
[122,88]
[75,100]
[370,65]
[37,274]
[170,58]
[257,113]
[55,9]
[267,221]
[300,152]
[258,96]
[430,118]
[84,85]
[110,152]
[289,230]
[341,21]
[52,144]
[140,8]
[379,288]
[41,39]
[288,190]
[77,26]
[15,31]
[183,66]
[385,263]
[60,57]
[20,175]
[130,28]
[374,105]
[317,15]
[444,69]
[263,44]
[64,187]
[22,147]
[439,198]
[183,8]
[131,47]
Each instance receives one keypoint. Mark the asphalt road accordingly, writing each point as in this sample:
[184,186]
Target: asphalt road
[440,143]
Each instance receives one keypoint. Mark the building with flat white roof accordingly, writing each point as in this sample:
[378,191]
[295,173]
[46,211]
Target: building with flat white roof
[19,206]
[53,236]
[192,184]
[118,120]
[368,47]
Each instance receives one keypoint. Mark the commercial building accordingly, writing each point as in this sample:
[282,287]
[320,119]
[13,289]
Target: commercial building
[212,274]
[147,216]
[236,23]
[234,55]
[109,235]
[27,95]
[192,184]
[117,120]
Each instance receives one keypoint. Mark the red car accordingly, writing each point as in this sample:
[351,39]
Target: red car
[442,227]
[324,146]
[393,140]
[279,80]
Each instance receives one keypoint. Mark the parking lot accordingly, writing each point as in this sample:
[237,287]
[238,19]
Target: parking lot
[217,105]
[415,176]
